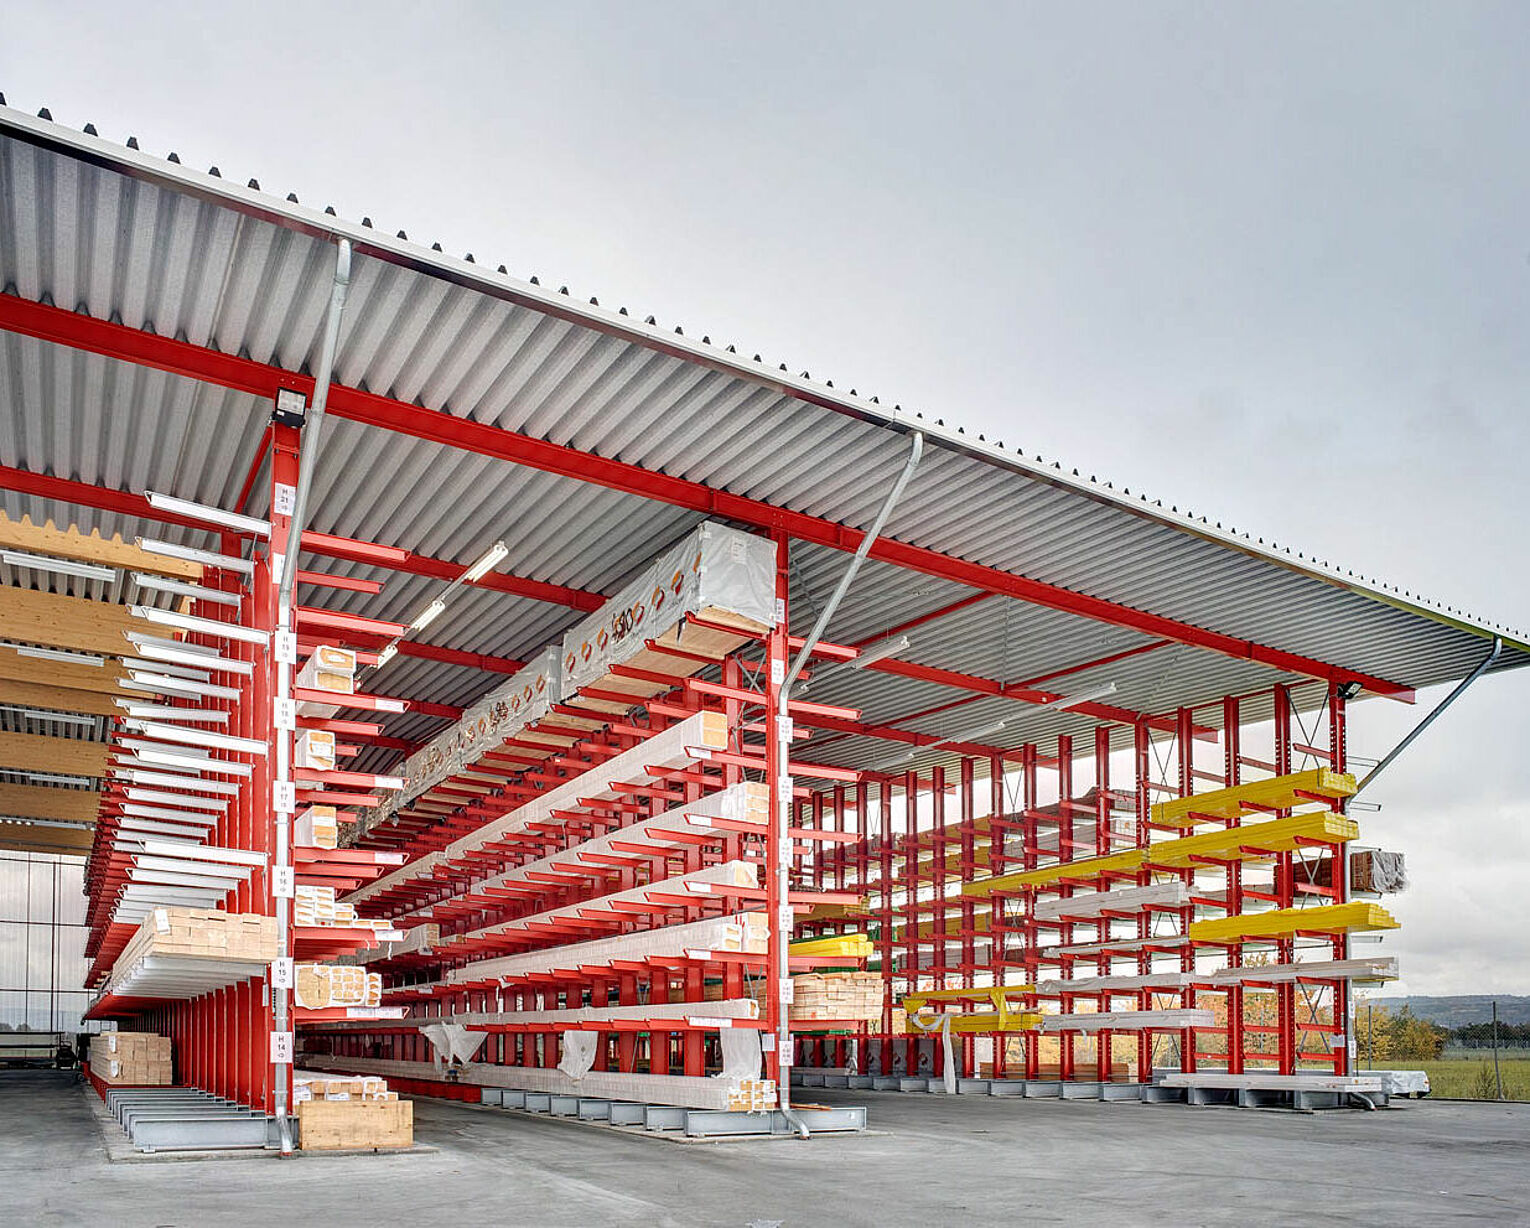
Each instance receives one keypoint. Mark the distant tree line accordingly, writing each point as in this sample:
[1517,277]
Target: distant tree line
[1383,1034]
[1480,1036]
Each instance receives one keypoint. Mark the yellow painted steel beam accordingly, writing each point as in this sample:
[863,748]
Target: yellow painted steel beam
[1277,793]
[996,994]
[982,1022]
[34,752]
[60,699]
[1274,835]
[90,547]
[41,802]
[1357,915]
[74,623]
[1089,867]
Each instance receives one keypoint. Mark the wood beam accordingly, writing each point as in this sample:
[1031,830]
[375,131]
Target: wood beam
[35,752]
[103,679]
[23,838]
[42,802]
[90,547]
[75,623]
[60,699]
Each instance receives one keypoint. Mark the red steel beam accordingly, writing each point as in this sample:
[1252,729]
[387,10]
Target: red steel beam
[125,503]
[973,599]
[61,327]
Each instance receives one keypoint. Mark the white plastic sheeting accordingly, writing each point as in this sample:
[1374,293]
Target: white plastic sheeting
[578,1053]
[500,714]
[712,566]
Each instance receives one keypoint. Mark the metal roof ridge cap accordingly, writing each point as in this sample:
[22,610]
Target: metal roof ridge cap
[469,275]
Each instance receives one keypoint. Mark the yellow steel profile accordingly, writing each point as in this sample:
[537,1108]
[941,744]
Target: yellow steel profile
[1278,793]
[1274,835]
[1283,922]
[1090,867]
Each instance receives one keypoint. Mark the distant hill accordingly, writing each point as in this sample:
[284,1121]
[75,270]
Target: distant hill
[1467,1008]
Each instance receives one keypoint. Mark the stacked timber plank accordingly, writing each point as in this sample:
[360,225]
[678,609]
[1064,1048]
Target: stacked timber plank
[321,986]
[131,1059]
[836,995]
[331,669]
[351,1125]
[318,1085]
[181,953]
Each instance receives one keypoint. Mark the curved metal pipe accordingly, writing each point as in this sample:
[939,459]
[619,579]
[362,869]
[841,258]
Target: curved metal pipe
[916,450]
[1433,716]
[313,425]
[867,542]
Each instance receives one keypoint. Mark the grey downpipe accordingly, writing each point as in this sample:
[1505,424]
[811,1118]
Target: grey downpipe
[1433,716]
[312,430]
[313,424]
[914,453]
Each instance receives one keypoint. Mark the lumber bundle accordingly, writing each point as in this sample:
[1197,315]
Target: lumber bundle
[746,933]
[319,986]
[329,669]
[834,995]
[312,1085]
[131,1059]
[349,1125]
[703,1092]
[715,574]
[180,953]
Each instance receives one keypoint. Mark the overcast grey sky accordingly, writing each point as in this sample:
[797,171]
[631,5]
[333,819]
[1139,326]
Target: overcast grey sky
[1269,262]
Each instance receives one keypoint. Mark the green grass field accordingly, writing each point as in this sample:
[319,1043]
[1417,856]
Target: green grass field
[1469,1078]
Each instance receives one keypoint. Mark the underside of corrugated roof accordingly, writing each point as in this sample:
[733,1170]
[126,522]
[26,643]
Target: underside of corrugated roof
[115,235]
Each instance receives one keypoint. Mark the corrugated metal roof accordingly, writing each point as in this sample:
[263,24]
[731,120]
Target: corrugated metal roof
[118,235]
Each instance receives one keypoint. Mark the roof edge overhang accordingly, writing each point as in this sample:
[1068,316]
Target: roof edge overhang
[366,241]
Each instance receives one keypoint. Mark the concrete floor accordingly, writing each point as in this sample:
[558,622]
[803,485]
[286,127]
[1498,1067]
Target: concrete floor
[934,1162]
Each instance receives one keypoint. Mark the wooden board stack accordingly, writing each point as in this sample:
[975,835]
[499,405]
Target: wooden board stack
[312,1085]
[348,1125]
[327,669]
[197,934]
[319,986]
[317,827]
[131,1059]
[318,906]
[836,995]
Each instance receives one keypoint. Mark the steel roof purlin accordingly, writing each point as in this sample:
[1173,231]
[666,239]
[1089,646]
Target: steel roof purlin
[471,405]
[197,362]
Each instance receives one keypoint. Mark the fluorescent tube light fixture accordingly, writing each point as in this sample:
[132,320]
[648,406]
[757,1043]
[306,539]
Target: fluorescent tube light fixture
[1064,702]
[428,615]
[58,654]
[879,652]
[478,570]
[62,718]
[213,515]
[55,778]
